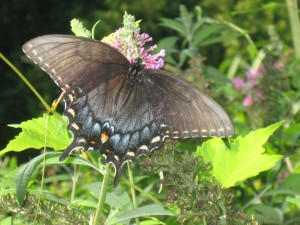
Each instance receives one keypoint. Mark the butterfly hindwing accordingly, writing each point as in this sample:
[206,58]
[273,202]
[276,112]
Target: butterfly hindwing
[184,111]
[115,118]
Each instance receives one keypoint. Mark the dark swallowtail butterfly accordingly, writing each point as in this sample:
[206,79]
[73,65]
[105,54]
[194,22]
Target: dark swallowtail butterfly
[122,109]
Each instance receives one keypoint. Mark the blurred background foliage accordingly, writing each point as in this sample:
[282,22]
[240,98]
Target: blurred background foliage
[23,20]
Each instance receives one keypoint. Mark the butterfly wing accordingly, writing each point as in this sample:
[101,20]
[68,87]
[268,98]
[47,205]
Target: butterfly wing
[182,111]
[76,61]
[123,118]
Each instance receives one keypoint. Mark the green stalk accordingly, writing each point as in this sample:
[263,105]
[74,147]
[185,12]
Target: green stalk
[26,82]
[292,8]
[43,169]
[237,29]
[102,196]
[145,193]
[132,189]
[74,183]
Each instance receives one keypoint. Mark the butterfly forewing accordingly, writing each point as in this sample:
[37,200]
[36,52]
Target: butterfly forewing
[75,61]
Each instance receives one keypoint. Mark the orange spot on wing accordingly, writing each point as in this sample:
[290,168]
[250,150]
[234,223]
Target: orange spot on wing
[93,142]
[104,137]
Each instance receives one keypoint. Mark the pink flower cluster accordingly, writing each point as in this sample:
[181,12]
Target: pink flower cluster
[249,86]
[133,47]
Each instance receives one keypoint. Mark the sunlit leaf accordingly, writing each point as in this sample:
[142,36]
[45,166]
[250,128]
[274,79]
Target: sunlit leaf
[245,158]
[46,131]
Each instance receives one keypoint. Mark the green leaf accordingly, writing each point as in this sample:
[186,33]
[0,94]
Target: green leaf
[292,183]
[207,32]
[148,210]
[150,221]
[7,221]
[23,177]
[119,198]
[53,158]
[214,40]
[244,159]
[79,30]
[46,131]
[267,214]
[173,24]
[167,43]
[293,200]
[53,197]
[24,174]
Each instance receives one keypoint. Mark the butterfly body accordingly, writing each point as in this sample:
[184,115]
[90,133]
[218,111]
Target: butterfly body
[120,109]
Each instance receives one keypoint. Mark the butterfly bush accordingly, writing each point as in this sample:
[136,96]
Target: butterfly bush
[129,41]
[250,86]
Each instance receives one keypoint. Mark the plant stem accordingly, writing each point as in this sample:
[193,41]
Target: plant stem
[132,189]
[102,196]
[292,8]
[74,182]
[43,169]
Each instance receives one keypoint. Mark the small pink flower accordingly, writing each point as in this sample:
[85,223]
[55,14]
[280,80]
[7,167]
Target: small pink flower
[238,83]
[249,87]
[254,75]
[248,100]
[251,75]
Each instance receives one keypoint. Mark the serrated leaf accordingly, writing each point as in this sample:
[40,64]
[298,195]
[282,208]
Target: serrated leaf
[34,132]
[244,159]
[79,30]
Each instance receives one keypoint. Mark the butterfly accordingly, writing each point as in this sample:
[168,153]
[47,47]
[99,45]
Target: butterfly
[120,108]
